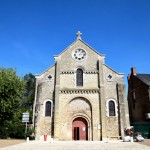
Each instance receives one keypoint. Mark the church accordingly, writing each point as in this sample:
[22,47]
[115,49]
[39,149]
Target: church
[80,97]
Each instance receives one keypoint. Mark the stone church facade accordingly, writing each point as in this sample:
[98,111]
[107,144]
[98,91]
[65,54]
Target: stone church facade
[80,97]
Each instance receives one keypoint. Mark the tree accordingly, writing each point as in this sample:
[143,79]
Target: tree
[12,88]
[28,96]
[26,105]
[30,90]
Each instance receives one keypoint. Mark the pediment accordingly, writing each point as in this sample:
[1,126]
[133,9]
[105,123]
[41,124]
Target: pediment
[80,44]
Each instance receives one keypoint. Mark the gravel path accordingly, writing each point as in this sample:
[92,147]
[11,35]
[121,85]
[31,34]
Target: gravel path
[5,143]
[77,145]
[146,142]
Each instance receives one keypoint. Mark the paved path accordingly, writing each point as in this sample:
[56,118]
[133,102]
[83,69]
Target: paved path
[77,145]
[9,142]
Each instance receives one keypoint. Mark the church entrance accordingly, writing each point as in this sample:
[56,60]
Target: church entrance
[79,129]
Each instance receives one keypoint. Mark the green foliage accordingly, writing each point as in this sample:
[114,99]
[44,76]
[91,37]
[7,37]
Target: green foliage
[30,90]
[12,88]
[17,129]
[16,97]
[28,97]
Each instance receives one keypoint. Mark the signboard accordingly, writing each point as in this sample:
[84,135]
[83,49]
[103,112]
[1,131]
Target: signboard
[25,117]
[99,126]
[26,114]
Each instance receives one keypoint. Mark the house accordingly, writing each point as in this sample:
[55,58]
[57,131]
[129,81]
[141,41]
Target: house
[139,101]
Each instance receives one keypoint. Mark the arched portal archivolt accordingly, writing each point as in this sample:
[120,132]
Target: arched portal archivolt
[79,104]
[81,108]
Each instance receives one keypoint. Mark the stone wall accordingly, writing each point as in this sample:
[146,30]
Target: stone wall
[43,125]
[58,84]
[83,105]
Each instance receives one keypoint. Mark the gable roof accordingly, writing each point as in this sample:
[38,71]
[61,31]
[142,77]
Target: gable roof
[114,70]
[37,75]
[83,43]
[145,78]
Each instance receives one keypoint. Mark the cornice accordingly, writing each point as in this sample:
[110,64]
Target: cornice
[85,72]
[79,91]
[67,72]
[91,72]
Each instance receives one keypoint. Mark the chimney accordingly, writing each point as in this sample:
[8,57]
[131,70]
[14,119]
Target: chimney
[133,71]
[128,77]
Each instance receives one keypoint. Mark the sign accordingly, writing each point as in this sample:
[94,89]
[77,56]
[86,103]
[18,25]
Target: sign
[99,126]
[25,117]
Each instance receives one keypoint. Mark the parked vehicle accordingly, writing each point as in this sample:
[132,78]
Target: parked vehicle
[139,138]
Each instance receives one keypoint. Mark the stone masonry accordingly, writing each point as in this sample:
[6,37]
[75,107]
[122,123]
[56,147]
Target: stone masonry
[102,93]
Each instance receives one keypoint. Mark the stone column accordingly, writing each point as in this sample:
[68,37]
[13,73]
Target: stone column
[56,98]
[37,109]
[34,104]
[102,101]
[123,108]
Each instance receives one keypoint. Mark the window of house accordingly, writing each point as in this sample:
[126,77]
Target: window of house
[79,77]
[48,108]
[111,108]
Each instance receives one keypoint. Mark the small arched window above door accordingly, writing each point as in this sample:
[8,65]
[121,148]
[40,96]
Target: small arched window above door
[79,77]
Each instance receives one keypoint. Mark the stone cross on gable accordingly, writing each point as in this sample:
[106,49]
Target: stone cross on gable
[78,35]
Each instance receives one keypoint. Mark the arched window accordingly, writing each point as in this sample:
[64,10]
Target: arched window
[48,108]
[79,77]
[111,108]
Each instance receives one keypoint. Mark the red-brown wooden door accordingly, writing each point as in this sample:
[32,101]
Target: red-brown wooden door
[79,129]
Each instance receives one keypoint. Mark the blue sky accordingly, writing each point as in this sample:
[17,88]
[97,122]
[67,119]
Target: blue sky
[32,31]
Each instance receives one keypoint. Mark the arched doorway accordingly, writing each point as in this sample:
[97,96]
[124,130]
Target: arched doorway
[79,129]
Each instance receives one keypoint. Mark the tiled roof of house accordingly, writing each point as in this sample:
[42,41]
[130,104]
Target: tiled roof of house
[145,78]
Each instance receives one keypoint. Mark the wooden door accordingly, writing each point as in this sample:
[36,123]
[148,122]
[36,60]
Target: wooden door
[79,129]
